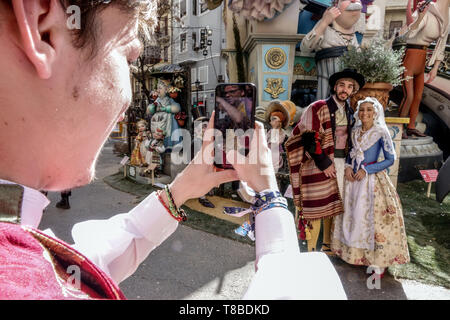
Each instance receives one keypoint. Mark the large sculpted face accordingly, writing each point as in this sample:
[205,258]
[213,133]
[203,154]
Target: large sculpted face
[162,89]
[351,12]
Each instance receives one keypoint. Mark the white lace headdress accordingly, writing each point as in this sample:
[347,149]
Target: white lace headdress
[379,130]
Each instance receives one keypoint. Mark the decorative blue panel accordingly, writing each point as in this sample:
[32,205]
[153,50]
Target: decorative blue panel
[280,93]
[284,55]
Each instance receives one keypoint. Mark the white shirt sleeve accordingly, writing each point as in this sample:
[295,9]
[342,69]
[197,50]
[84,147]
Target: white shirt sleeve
[119,244]
[282,271]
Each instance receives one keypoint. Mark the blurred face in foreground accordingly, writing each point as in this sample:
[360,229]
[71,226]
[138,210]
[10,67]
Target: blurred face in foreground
[58,103]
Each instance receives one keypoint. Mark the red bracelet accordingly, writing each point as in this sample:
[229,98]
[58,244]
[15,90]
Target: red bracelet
[179,219]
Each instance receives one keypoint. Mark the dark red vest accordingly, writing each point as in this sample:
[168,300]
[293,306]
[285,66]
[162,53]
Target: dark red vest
[36,266]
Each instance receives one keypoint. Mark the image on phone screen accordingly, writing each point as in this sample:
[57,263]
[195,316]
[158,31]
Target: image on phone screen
[234,117]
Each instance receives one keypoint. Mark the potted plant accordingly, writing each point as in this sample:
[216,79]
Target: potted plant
[173,92]
[381,66]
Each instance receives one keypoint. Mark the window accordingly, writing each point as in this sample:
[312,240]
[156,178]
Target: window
[182,8]
[194,7]
[203,6]
[194,40]
[203,74]
[193,75]
[183,42]
[394,26]
[166,54]
[166,26]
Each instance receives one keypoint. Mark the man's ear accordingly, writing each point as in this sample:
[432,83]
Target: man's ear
[39,23]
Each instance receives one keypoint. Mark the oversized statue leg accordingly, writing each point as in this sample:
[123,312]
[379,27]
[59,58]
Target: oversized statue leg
[414,63]
[414,109]
[408,96]
[315,231]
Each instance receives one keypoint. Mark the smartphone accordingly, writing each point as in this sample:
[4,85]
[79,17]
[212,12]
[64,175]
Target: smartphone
[234,118]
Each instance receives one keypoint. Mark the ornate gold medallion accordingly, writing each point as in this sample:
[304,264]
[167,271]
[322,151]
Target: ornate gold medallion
[275,58]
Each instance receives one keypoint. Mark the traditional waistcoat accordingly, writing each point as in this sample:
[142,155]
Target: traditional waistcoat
[316,195]
[36,266]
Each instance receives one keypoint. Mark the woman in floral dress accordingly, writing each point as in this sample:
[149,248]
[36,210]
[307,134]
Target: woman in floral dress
[371,231]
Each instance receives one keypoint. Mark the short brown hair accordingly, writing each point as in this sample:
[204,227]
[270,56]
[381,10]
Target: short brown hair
[86,35]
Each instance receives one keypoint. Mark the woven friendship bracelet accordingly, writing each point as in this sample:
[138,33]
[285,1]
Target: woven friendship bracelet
[177,214]
[262,203]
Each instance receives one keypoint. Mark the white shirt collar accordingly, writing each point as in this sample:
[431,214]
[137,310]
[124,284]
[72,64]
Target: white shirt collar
[33,205]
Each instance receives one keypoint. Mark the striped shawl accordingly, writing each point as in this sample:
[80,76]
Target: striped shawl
[315,195]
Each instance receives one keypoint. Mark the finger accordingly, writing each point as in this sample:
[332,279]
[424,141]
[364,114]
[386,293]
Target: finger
[260,134]
[208,137]
[224,176]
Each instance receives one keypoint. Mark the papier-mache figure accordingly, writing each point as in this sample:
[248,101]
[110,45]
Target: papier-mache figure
[139,152]
[427,24]
[279,118]
[330,38]
[163,112]
[155,147]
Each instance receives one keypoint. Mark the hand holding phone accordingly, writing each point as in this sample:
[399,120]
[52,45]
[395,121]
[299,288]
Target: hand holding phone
[234,116]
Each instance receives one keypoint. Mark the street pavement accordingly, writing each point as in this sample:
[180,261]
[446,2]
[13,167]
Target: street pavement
[192,264]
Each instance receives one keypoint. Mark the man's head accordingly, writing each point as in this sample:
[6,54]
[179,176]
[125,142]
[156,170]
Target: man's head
[351,12]
[62,91]
[346,83]
[233,93]
[345,88]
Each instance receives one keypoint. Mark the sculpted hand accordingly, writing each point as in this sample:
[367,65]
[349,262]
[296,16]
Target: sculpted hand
[422,7]
[256,169]
[199,177]
[431,75]
[330,172]
[331,14]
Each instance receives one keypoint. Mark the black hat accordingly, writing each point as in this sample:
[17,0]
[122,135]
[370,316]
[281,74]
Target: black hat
[346,73]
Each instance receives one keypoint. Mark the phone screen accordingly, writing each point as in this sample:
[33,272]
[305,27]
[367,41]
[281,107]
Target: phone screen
[234,120]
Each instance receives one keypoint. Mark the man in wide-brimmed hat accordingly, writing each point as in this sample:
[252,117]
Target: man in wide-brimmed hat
[316,153]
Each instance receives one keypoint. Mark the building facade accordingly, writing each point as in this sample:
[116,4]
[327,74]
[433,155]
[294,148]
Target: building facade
[197,40]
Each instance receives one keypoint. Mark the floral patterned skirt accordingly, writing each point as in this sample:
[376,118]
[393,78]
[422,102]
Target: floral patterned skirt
[389,238]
